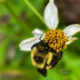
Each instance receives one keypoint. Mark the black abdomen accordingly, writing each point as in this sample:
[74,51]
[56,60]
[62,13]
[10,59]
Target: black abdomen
[55,59]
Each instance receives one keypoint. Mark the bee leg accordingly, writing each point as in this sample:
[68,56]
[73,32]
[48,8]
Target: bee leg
[54,61]
[33,46]
[42,71]
[60,55]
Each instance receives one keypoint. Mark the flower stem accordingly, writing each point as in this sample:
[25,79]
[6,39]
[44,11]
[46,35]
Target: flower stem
[34,10]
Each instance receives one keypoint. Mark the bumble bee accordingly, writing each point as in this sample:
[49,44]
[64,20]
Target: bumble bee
[44,57]
[46,49]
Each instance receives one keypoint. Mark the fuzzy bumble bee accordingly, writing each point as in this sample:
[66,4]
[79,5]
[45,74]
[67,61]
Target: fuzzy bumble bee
[43,57]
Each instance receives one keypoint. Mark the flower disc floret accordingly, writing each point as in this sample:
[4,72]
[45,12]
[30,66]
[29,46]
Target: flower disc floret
[56,39]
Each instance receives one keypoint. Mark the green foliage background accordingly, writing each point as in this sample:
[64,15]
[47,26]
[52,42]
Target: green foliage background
[17,20]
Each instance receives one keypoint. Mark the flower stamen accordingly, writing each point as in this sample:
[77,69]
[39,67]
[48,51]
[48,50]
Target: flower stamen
[56,39]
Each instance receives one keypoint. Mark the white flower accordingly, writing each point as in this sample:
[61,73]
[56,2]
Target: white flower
[51,19]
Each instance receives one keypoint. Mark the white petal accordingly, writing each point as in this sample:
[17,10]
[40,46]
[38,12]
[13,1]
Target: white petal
[72,29]
[37,32]
[26,45]
[71,39]
[51,15]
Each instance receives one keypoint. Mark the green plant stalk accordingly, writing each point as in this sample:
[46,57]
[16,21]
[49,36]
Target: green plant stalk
[34,10]
[3,47]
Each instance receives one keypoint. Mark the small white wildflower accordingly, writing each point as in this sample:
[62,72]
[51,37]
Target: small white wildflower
[51,19]
[47,48]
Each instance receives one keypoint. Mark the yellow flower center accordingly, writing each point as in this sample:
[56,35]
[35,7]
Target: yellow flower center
[56,39]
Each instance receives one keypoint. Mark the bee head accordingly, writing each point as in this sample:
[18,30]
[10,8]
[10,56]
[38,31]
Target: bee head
[42,47]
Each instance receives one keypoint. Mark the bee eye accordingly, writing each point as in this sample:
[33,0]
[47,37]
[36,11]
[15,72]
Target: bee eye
[38,44]
[46,48]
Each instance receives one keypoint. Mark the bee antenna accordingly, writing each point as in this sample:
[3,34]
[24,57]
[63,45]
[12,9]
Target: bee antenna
[41,36]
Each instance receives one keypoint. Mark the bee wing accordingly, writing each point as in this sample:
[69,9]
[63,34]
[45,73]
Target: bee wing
[26,45]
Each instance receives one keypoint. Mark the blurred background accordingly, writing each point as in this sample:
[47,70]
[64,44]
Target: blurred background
[17,20]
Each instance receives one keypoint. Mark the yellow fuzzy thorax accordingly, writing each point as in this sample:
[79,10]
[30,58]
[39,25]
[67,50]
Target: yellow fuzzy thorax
[56,39]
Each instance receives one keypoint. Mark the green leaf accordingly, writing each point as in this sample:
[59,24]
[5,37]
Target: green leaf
[3,49]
